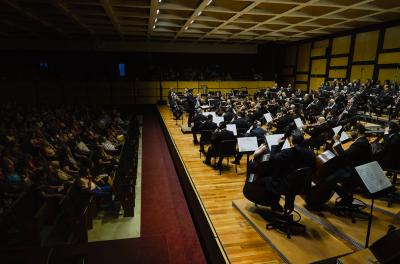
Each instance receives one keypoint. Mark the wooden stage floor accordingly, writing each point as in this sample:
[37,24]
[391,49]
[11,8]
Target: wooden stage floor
[240,240]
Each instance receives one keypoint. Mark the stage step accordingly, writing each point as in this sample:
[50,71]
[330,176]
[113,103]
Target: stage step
[316,245]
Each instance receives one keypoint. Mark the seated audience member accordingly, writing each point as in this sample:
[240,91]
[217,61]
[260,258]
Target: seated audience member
[216,138]
[93,186]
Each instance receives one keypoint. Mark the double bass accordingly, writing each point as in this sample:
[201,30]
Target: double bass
[327,163]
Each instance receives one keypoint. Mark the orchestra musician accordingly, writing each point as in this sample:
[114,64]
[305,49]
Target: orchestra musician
[286,161]
[345,181]
[391,147]
[219,135]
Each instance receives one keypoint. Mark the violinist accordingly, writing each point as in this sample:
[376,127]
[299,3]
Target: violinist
[318,132]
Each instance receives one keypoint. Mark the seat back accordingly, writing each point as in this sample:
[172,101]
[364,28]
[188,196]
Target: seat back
[297,182]
[206,136]
[226,148]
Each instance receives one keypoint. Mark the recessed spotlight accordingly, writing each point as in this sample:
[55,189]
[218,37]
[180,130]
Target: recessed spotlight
[155,20]
[154,26]
[161,0]
[191,22]
[158,11]
[209,2]
[198,14]
[186,28]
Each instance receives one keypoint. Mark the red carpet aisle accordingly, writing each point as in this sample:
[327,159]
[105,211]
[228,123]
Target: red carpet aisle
[167,231]
[164,209]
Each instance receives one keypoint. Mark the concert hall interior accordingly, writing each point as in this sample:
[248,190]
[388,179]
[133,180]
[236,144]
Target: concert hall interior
[199,131]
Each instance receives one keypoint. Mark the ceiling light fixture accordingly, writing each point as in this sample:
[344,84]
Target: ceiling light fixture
[186,28]
[155,20]
[191,22]
[161,0]
[158,11]
[154,26]
[198,14]
[209,2]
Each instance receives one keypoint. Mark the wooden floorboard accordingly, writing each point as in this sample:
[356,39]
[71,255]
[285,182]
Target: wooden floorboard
[240,240]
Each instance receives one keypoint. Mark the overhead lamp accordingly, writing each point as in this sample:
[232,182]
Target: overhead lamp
[198,14]
[186,28]
[158,11]
[154,26]
[208,3]
[191,22]
[161,0]
[155,20]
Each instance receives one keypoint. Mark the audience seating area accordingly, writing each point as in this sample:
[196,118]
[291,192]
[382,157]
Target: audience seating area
[60,165]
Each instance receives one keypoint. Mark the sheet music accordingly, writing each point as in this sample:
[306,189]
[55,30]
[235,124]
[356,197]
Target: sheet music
[373,177]
[268,117]
[298,122]
[218,119]
[344,136]
[274,139]
[247,144]
[232,127]
[209,113]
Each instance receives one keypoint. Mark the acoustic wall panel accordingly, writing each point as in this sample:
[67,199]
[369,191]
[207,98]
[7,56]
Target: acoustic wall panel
[341,45]
[391,40]
[389,58]
[340,61]
[362,72]
[391,74]
[337,73]
[290,58]
[315,83]
[303,58]
[318,66]
[365,46]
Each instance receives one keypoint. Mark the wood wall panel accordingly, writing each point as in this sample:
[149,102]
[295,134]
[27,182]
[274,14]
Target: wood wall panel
[303,58]
[341,45]
[389,58]
[391,40]
[317,52]
[288,71]
[341,61]
[315,83]
[318,66]
[337,73]
[301,86]
[321,43]
[362,72]
[389,74]
[302,77]
[290,58]
[365,46]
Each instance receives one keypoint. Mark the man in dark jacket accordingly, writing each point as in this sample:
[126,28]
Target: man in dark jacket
[391,147]
[198,120]
[359,153]
[208,125]
[216,138]
[285,162]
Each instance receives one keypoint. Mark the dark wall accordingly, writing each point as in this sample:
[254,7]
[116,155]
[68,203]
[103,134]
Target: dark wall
[98,66]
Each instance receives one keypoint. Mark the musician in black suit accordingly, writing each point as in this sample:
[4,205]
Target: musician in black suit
[358,153]
[207,125]
[219,135]
[190,105]
[241,122]
[318,132]
[229,115]
[286,162]
[198,120]
[391,143]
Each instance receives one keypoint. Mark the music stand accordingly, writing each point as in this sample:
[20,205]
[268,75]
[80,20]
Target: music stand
[247,145]
[376,184]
